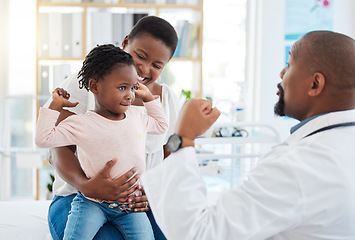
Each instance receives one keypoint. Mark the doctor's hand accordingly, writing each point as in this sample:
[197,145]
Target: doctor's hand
[196,116]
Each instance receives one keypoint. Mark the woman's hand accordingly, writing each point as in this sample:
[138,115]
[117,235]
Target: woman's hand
[102,186]
[139,203]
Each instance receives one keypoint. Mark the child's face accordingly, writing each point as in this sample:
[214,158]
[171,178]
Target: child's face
[150,56]
[115,93]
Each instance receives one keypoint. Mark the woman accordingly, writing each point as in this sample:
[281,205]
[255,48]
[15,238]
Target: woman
[151,42]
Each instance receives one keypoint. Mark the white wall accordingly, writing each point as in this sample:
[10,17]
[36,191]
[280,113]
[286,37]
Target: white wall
[272,53]
[3,57]
[344,17]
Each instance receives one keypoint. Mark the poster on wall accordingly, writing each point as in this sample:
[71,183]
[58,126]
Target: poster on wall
[302,16]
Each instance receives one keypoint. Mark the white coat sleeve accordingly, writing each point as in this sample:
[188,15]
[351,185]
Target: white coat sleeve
[265,205]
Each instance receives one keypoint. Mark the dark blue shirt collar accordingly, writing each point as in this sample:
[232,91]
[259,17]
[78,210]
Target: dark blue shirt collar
[299,125]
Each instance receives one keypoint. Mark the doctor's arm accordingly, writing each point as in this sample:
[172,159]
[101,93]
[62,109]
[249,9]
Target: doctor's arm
[168,186]
[255,210]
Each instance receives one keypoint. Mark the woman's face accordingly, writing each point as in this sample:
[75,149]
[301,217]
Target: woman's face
[150,56]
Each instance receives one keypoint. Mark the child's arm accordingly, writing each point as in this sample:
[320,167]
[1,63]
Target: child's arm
[143,93]
[156,120]
[60,99]
[47,134]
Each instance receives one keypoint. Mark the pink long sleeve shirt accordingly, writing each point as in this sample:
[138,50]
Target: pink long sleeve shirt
[99,139]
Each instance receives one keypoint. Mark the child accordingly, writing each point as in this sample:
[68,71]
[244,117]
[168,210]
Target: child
[151,42]
[111,130]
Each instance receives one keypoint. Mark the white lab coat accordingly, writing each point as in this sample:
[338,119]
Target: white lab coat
[302,189]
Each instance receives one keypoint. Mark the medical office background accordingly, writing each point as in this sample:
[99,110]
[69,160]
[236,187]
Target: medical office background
[241,46]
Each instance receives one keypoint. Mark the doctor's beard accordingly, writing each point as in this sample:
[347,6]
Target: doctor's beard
[279,108]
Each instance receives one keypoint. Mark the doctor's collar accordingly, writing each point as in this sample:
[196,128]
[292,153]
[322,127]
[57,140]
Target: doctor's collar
[300,124]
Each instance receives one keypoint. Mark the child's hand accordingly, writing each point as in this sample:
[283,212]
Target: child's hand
[143,93]
[60,99]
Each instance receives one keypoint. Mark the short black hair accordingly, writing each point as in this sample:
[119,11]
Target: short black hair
[100,61]
[158,28]
[333,55]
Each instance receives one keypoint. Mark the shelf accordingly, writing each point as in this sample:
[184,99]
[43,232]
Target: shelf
[60,59]
[259,135]
[123,5]
[67,31]
[23,150]
[236,140]
[211,156]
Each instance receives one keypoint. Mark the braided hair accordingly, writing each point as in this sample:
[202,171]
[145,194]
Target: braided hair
[100,61]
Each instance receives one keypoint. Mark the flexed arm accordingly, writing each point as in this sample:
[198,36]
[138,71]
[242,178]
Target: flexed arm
[156,120]
[47,134]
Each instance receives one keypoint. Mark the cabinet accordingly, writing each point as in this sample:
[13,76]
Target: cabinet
[69,29]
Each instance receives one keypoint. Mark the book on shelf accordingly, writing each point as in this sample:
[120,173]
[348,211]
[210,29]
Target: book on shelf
[66,35]
[127,23]
[117,33]
[187,39]
[60,72]
[43,41]
[43,82]
[107,27]
[137,16]
[77,35]
[43,71]
[55,35]
[99,29]
[160,1]
[60,35]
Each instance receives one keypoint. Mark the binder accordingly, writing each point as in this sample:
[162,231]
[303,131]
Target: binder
[77,35]
[192,41]
[67,35]
[117,32]
[99,29]
[127,23]
[181,2]
[60,72]
[43,44]
[44,80]
[44,90]
[137,16]
[55,35]
[178,28]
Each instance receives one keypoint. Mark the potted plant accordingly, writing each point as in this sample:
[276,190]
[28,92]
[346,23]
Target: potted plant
[50,187]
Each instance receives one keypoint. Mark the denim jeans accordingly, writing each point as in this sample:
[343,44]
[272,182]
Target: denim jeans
[58,215]
[86,218]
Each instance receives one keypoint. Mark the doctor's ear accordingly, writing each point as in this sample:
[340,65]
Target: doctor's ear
[93,86]
[318,84]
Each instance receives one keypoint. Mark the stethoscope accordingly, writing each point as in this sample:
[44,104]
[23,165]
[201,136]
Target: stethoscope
[348,124]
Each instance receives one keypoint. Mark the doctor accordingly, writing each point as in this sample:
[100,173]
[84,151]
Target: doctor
[303,188]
